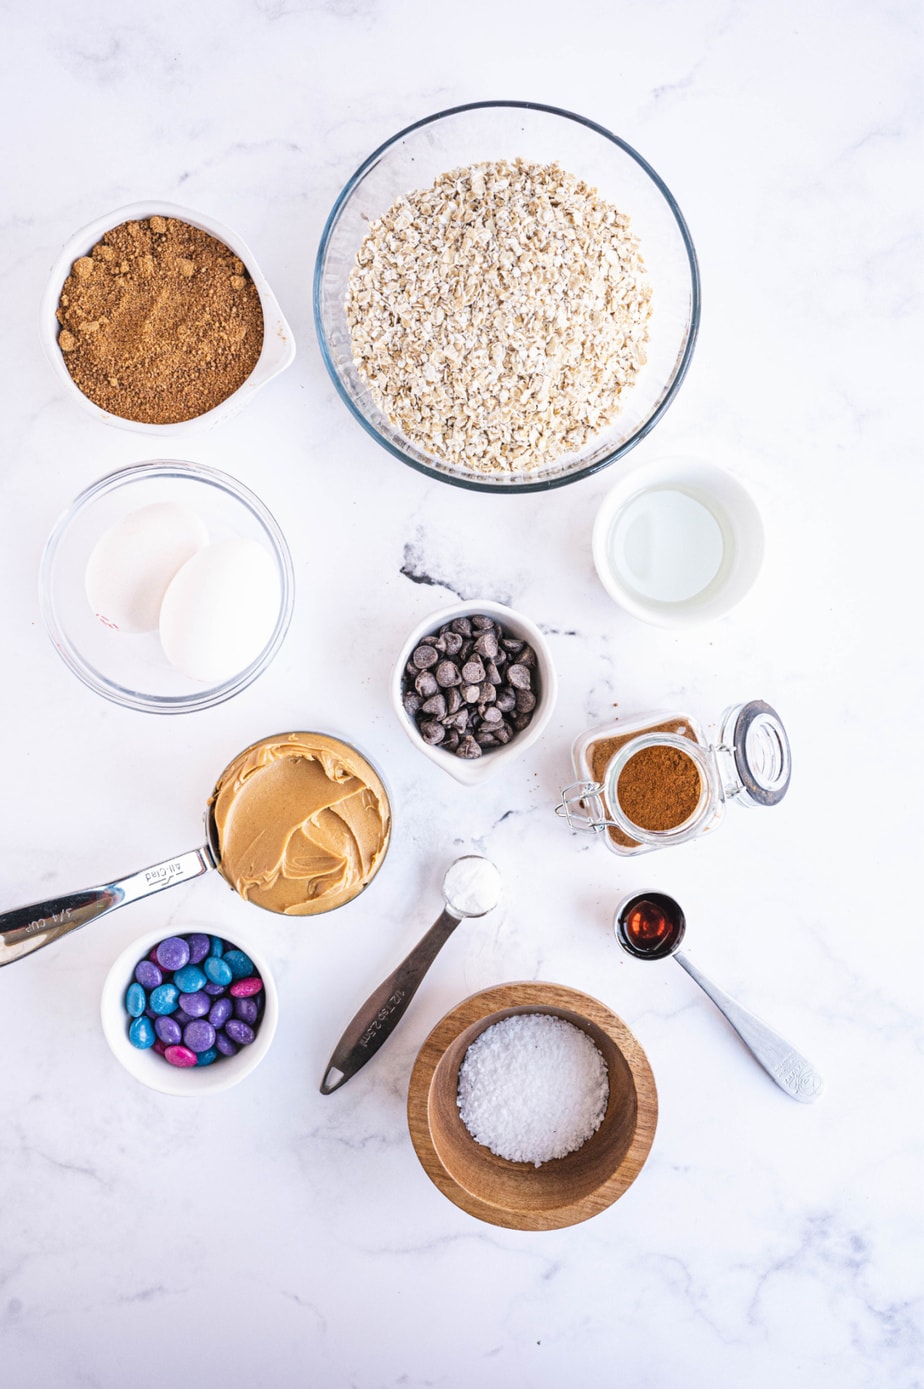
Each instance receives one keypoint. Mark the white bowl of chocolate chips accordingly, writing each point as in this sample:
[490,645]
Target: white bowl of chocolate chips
[473,687]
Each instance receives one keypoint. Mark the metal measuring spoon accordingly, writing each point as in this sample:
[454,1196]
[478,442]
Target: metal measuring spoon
[471,887]
[25,929]
[651,926]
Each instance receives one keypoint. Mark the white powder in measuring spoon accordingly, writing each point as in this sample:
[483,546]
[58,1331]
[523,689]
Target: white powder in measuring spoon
[532,1087]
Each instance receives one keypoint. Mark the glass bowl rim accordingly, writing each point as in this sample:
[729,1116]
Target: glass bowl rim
[539,484]
[211,695]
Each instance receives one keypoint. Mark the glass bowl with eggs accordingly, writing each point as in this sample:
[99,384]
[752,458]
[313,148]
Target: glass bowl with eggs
[506,296]
[167,586]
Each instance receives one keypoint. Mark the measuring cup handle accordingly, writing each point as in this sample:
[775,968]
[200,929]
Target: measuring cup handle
[788,1067]
[26,929]
[378,1017]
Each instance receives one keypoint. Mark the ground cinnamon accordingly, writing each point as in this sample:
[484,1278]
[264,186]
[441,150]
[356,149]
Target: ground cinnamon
[160,322]
[601,753]
[659,788]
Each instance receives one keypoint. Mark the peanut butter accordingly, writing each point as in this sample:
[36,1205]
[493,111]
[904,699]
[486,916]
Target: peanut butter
[302,821]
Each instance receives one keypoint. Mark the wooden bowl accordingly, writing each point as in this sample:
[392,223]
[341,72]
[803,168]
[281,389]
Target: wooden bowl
[519,1195]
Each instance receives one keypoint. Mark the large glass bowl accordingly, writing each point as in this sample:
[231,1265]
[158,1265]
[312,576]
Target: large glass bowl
[494,130]
[130,668]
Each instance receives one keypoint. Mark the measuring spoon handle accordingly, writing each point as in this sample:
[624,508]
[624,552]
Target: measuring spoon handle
[788,1067]
[26,929]
[378,1017]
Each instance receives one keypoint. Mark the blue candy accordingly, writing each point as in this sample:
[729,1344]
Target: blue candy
[205,1058]
[141,1033]
[189,979]
[218,970]
[165,998]
[136,1000]
[240,964]
[216,946]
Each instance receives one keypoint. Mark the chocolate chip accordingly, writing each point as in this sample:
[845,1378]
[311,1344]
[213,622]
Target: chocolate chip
[452,643]
[425,657]
[435,705]
[486,646]
[526,701]
[471,693]
[473,672]
[447,674]
[462,626]
[432,732]
[425,684]
[468,748]
[518,676]
[411,703]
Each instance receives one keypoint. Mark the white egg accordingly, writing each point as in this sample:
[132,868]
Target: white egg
[133,562]
[220,610]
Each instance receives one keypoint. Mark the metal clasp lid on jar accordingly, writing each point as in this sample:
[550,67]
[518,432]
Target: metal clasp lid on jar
[751,763]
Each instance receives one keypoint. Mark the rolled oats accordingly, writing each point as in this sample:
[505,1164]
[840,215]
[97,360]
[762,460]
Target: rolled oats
[498,316]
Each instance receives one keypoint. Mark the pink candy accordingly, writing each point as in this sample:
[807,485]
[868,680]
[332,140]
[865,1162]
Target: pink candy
[246,988]
[180,1056]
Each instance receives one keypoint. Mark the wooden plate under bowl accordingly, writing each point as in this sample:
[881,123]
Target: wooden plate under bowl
[519,1195]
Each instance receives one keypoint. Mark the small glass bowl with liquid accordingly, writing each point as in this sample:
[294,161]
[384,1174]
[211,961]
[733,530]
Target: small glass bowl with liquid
[678,542]
[656,780]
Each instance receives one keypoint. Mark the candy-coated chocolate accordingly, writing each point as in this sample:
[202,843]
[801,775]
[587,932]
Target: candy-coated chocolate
[172,953]
[195,1005]
[199,1035]
[149,974]
[136,1000]
[180,1056]
[189,979]
[218,971]
[240,964]
[244,988]
[169,1031]
[239,1031]
[141,1033]
[165,998]
[199,946]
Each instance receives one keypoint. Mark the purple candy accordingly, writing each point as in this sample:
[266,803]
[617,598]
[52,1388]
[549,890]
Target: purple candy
[199,946]
[239,1031]
[215,990]
[199,1035]
[173,953]
[169,1031]
[220,1012]
[195,1005]
[149,976]
[182,1016]
[246,1009]
[225,1044]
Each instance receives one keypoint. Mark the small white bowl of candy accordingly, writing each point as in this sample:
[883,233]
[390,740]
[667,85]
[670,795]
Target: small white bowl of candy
[189,1012]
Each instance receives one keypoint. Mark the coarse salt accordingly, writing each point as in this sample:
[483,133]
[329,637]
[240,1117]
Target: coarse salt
[532,1087]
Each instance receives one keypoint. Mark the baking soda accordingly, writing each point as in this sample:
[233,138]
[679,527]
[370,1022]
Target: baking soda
[532,1087]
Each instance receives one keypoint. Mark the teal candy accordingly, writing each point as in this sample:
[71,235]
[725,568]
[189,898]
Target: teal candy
[219,971]
[136,1000]
[205,1058]
[216,946]
[240,964]
[189,979]
[141,1033]
[165,999]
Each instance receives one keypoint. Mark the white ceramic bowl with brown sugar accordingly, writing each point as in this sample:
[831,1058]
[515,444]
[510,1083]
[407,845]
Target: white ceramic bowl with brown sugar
[278,347]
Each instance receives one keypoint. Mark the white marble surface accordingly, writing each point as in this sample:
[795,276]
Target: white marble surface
[270,1235]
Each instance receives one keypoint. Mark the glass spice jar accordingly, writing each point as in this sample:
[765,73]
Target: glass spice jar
[656,780]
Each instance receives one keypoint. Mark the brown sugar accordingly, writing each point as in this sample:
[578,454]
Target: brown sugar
[160,322]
